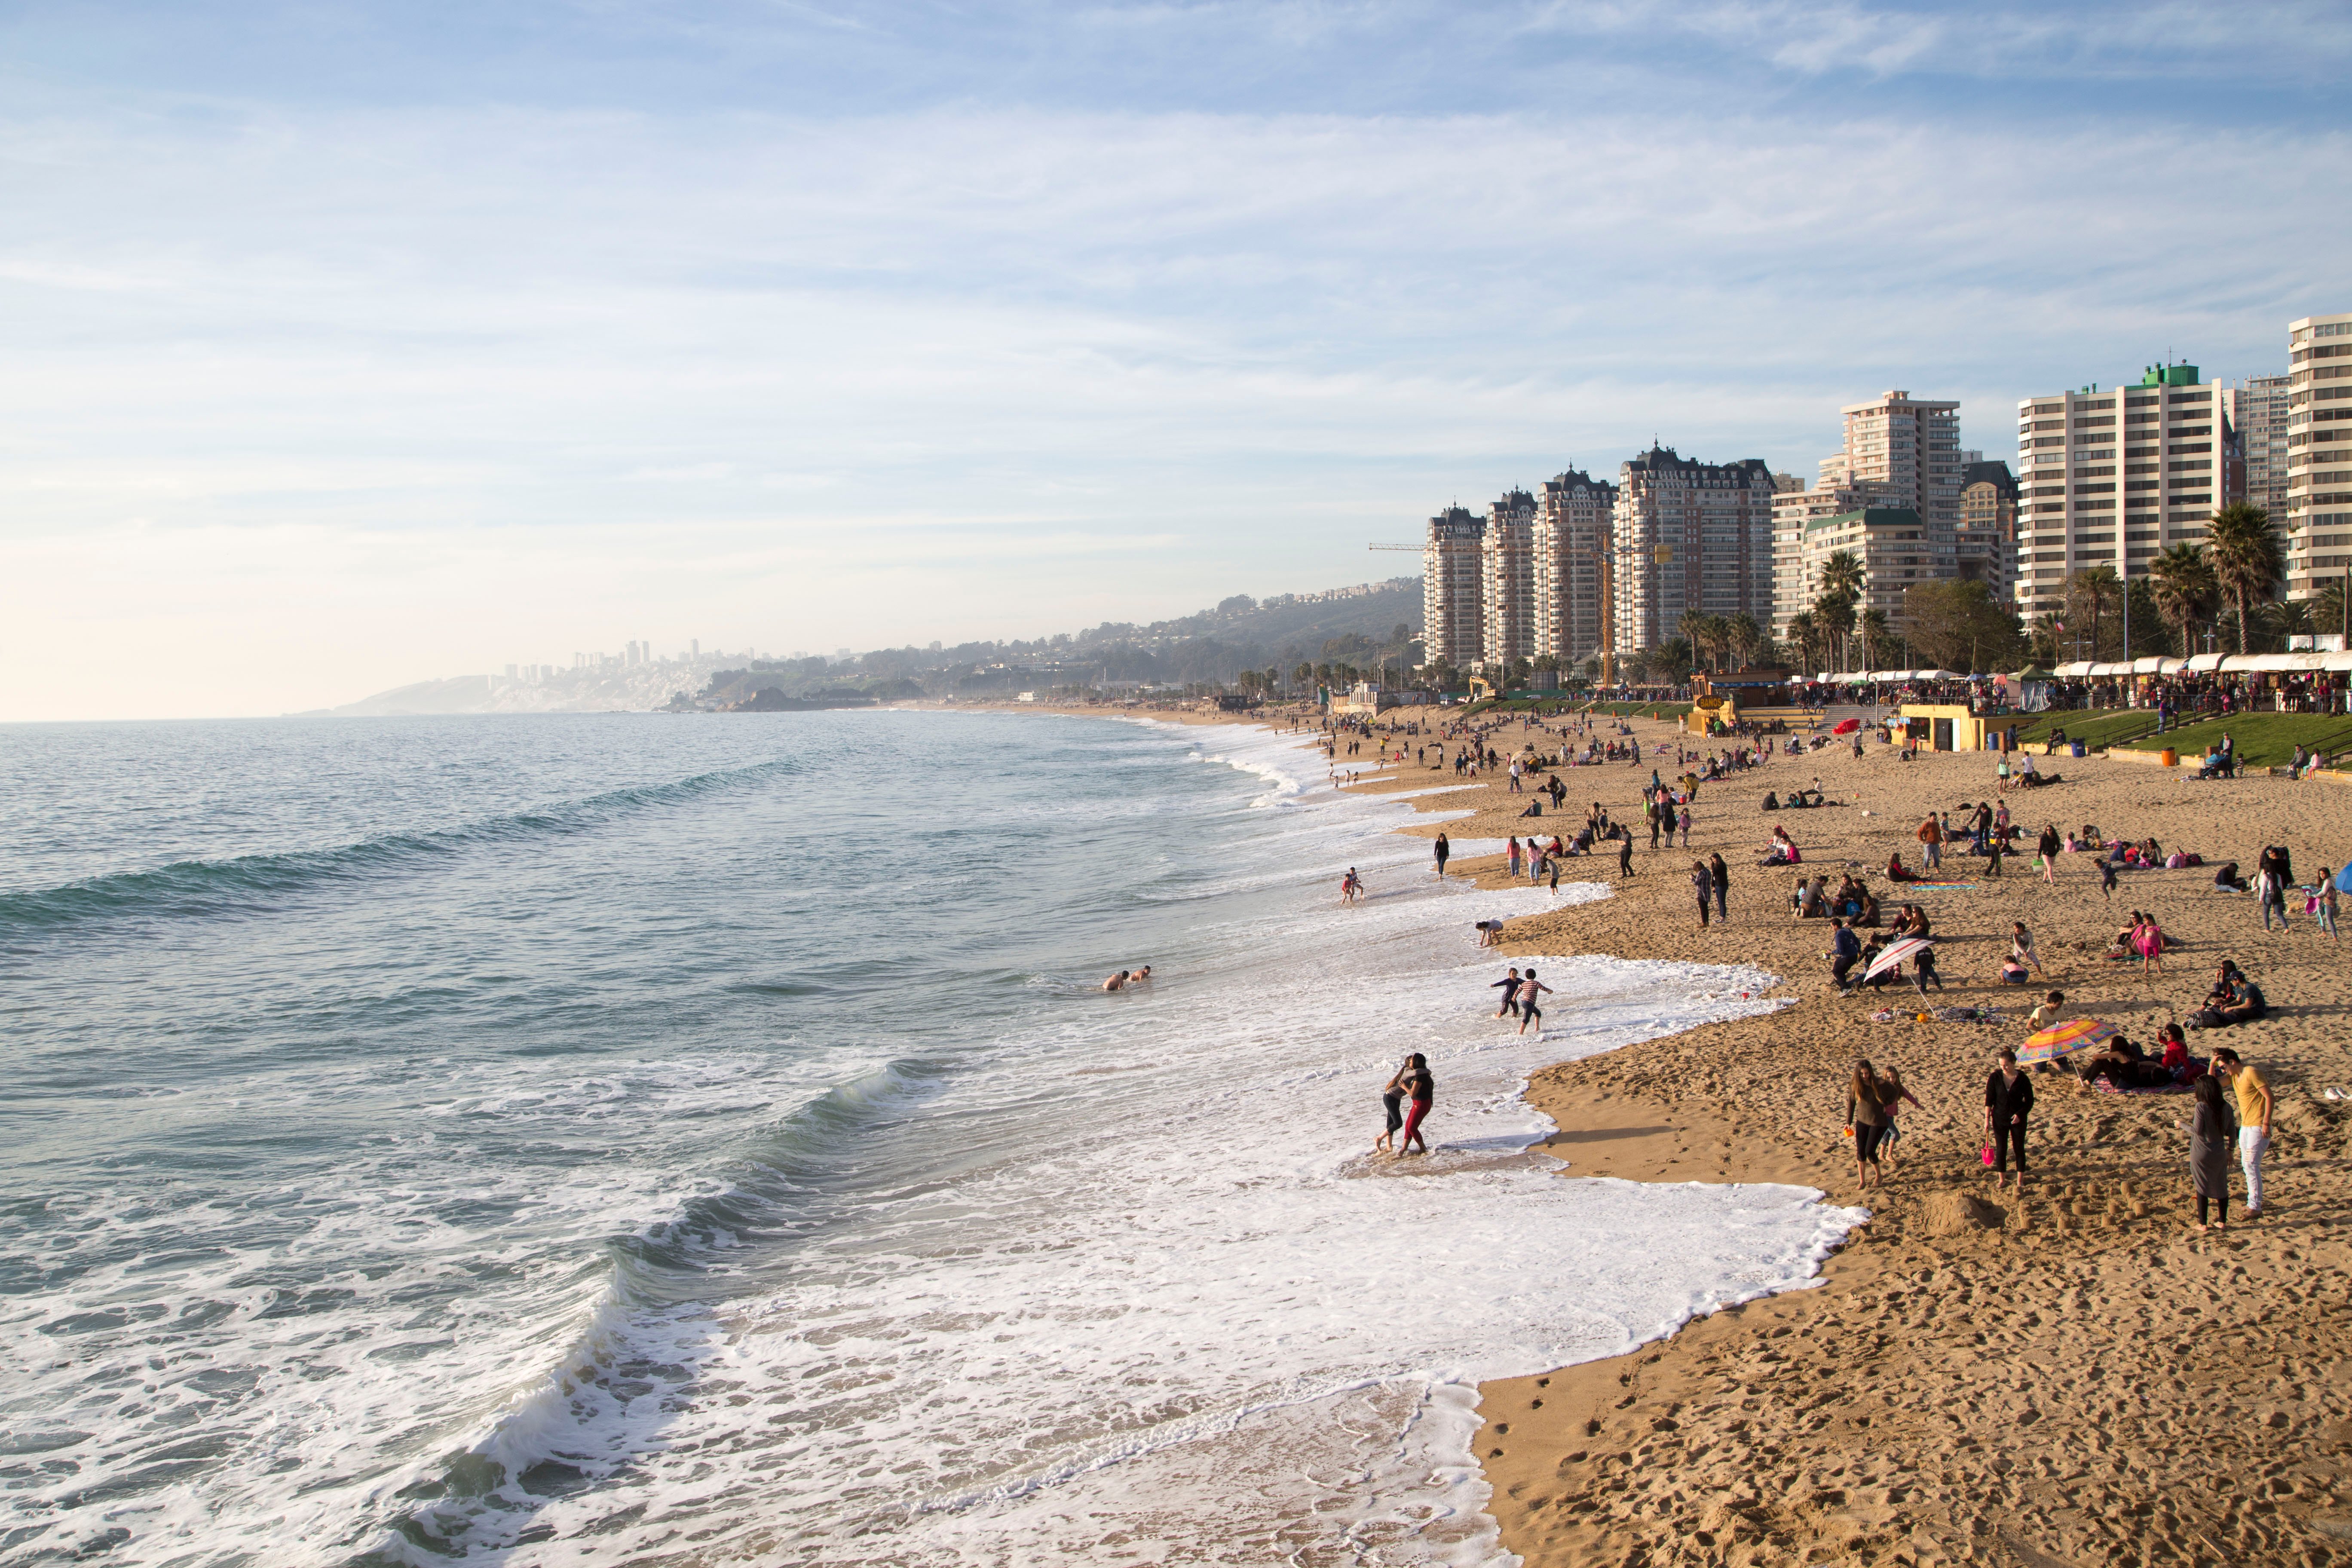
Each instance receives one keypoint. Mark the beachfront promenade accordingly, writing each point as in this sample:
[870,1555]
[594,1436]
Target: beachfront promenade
[2072,1376]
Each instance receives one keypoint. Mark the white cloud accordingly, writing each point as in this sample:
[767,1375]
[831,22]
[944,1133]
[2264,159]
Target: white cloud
[322,402]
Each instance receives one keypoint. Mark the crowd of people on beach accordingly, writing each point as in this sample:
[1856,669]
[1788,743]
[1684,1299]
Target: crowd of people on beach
[1872,949]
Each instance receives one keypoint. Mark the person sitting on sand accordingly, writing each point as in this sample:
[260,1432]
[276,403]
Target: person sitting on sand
[1782,850]
[2013,970]
[1868,917]
[2226,877]
[2234,999]
[1895,870]
[2053,1005]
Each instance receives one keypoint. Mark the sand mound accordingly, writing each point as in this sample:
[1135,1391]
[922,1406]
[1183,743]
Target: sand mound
[1958,1214]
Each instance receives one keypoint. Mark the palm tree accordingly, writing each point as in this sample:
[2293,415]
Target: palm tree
[1842,574]
[1717,631]
[1806,633]
[1876,637]
[2247,561]
[2328,608]
[2182,582]
[1693,626]
[2088,594]
[1834,614]
[1747,638]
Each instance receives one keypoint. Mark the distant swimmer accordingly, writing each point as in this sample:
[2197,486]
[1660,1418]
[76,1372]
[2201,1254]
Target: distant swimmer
[1118,982]
[1351,887]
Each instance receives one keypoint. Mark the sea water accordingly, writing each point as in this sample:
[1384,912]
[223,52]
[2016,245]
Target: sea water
[702,1139]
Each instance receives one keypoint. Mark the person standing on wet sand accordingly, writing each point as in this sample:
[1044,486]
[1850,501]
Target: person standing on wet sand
[1444,850]
[1392,1103]
[1421,1088]
[1625,856]
[1702,884]
[2008,1098]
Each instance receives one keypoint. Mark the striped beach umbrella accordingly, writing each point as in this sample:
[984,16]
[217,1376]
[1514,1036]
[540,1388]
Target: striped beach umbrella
[1895,952]
[2065,1039]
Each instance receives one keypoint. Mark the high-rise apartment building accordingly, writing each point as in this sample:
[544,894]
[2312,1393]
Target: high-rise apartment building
[1685,536]
[1984,545]
[2261,418]
[2318,521]
[1910,448]
[1507,567]
[2111,478]
[1889,543]
[1795,584]
[1453,612]
[1572,567]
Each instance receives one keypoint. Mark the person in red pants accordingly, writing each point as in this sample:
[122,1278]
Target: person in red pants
[1421,1088]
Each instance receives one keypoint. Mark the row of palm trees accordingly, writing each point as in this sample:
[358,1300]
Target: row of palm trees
[2239,563]
[1719,639]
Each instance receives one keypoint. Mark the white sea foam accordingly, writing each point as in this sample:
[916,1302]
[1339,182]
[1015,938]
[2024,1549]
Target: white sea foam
[1161,1301]
[1179,1304]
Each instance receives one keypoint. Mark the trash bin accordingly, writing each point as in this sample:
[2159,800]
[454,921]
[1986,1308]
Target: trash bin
[2168,757]
[2075,748]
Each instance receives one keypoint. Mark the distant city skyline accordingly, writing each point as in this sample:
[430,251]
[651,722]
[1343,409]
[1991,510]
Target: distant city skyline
[343,347]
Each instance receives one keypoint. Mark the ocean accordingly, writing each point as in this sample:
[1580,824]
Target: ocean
[641,1139]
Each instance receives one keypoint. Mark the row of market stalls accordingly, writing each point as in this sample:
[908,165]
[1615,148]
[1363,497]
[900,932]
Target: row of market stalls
[2305,683]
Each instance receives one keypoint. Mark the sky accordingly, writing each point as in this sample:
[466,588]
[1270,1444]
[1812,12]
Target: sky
[347,344]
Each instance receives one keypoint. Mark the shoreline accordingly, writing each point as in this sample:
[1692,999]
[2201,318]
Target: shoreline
[2068,1375]
[2051,1377]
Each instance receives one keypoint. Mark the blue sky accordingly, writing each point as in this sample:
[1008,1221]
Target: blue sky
[343,344]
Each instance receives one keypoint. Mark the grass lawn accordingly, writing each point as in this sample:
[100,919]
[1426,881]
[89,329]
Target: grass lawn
[2265,740]
[2095,727]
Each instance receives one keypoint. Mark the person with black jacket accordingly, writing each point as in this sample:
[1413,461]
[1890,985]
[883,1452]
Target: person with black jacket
[2009,1099]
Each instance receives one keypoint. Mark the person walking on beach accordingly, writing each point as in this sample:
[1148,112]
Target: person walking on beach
[1702,884]
[1393,1105]
[1513,853]
[1351,887]
[1865,1123]
[2209,1137]
[1445,851]
[2009,1099]
[2048,850]
[2270,892]
[1421,1088]
[1625,857]
[1682,820]
[2254,1092]
[1923,971]
[1931,842]
[1721,873]
[1530,1009]
[1892,1096]
[2327,905]
[2148,941]
[2107,879]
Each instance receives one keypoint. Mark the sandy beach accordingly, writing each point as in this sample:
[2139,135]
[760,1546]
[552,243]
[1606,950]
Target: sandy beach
[2072,1376]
